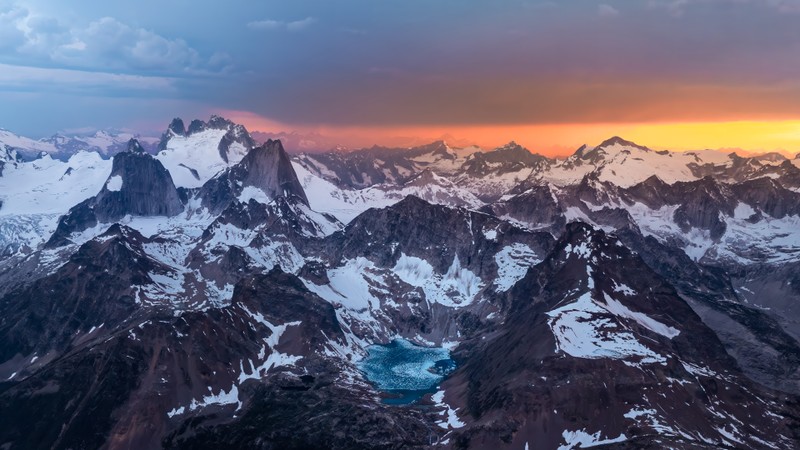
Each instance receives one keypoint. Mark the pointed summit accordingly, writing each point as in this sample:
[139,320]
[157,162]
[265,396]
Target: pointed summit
[134,146]
[139,185]
[616,140]
[175,128]
[582,150]
[219,122]
[267,168]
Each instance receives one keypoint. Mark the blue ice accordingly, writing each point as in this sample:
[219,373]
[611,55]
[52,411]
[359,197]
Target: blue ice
[405,369]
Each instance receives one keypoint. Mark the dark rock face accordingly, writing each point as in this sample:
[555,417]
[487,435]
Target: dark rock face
[396,166]
[768,196]
[510,158]
[80,391]
[95,287]
[267,168]
[196,126]
[115,389]
[704,201]
[445,235]
[138,185]
[537,205]
[147,189]
[522,386]
[761,347]
[8,156]
[701,203]
[175,128]
[316,415]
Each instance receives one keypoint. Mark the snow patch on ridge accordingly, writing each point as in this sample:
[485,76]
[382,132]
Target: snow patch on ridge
[644,320]
[114,183]
[585,329]
[582,439]
[513,262]
[450,420]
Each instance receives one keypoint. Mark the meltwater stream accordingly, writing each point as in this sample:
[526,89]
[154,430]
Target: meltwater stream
[406,371]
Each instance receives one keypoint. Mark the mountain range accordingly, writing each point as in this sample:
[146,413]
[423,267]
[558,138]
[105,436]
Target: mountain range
[210,290]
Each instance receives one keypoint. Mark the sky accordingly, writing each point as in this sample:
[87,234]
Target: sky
[679,74]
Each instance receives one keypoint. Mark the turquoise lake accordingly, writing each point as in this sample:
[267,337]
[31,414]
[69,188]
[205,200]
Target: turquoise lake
[406,371]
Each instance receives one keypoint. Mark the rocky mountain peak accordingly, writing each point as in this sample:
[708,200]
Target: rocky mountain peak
[215,122]
[219,123]
[196,126]
[266,168]
[616,140]
[439,147]
[771,157]
[134,146]
[597,154]
[269,168]
[426,178]
[585,242]
[177,127]
[139,185]
[581,151]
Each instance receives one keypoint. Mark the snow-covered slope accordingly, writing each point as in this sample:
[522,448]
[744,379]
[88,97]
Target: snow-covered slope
[344,204]
[34,194]
[60,146]
[195,159]
[50,186]
[196,155]
[625,164]
[28,147]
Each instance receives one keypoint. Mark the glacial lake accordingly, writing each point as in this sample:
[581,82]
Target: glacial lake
[406,371]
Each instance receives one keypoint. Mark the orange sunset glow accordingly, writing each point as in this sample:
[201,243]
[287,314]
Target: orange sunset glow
[745,137]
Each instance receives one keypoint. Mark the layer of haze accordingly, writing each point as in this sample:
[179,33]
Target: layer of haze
[679,74]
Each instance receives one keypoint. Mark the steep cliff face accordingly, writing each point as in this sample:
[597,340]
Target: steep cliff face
[267,169]
[139,185]
[175,128]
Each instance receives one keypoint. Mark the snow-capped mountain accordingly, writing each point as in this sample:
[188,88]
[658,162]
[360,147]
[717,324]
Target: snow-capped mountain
[59,146]
[195,155]
[218,293]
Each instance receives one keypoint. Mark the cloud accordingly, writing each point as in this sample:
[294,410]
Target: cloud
[679,7]
[11,36]
[30,38]
[120,46]
[785,6]
[269,24]
[604,10]
[38,79]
